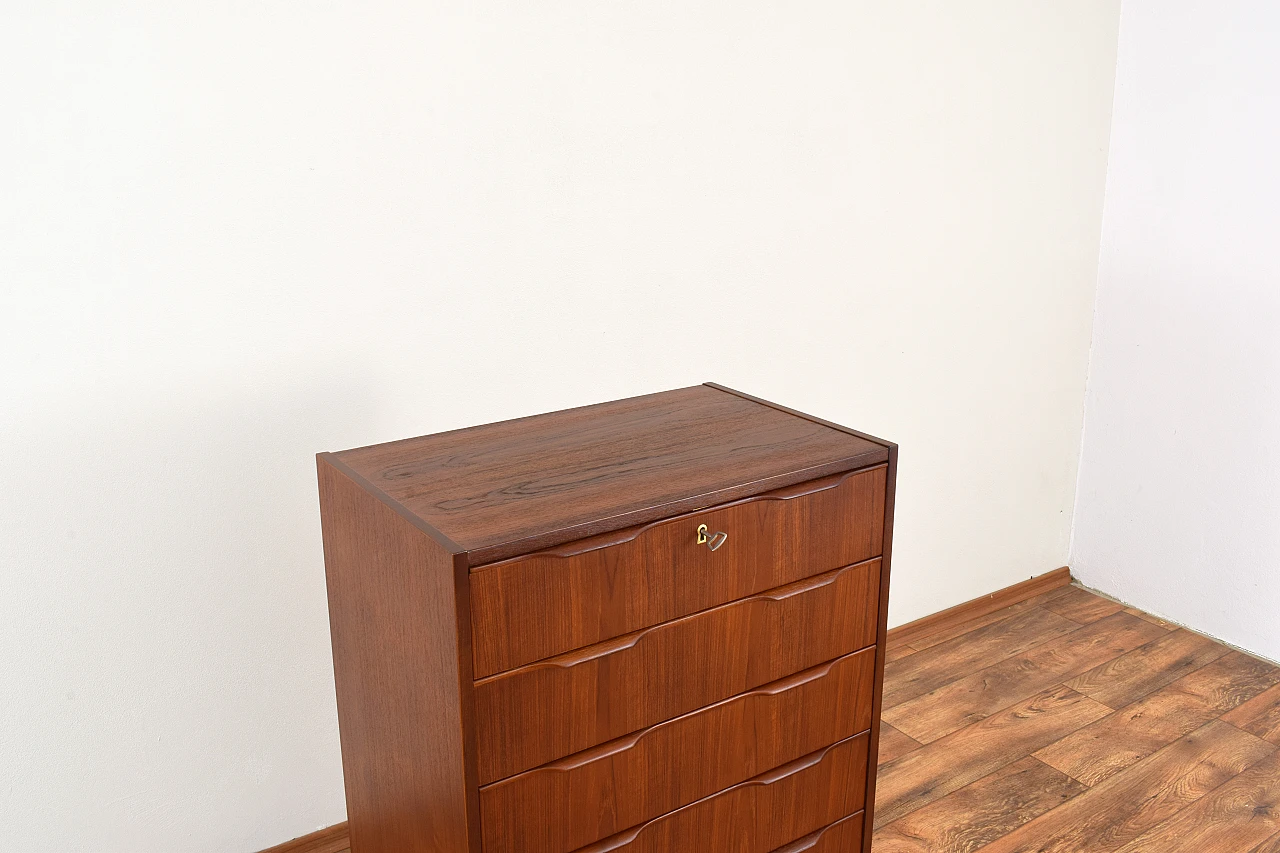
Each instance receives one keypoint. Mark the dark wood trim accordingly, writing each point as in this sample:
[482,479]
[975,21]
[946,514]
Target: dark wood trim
[334,461]
[877,694]
[330,840]
[798,414]
[466,694]
[998,600]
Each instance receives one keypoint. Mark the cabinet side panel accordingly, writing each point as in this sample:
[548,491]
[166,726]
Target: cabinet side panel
[393,621]
[882,630]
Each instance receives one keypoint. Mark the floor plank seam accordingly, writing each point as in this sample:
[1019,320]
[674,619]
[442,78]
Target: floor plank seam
[1168,741]
[1121,674]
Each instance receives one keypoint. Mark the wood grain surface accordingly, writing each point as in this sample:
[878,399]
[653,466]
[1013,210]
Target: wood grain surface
[894,743]
[1117,811]
[403,674]
[953,761]
[536,606]
[981,812]
[968,699]
[763,813]
[1259,716]
[1185,762]
[522,485]
[570,803]
[1236,816]
[562,705]
[1127,736]
[954,621]
[935,666]
[1131,676]
[1080,605]
[843,836]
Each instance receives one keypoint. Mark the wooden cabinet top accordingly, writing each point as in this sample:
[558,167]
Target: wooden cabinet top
[508,488]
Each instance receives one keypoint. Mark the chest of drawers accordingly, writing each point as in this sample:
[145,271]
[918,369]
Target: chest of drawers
[644,626]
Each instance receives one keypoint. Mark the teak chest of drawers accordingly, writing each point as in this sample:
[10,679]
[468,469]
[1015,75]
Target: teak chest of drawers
[645,626]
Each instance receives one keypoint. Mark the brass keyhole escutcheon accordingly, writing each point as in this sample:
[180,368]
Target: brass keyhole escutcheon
[712,540]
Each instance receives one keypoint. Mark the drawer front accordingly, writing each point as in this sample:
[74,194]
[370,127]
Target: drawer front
[562,806]
[843,836]
[761,814]
[532,607]
[554,708]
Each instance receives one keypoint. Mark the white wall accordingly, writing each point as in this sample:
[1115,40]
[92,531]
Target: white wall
[235,234]
[1178,509]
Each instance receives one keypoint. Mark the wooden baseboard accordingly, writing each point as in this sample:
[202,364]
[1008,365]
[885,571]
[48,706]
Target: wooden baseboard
[998,600]
[334,839]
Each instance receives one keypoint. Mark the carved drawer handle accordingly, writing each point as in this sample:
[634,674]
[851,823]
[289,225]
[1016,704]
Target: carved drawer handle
[714,541]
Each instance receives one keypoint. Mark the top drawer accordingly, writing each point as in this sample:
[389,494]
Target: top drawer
[538,605]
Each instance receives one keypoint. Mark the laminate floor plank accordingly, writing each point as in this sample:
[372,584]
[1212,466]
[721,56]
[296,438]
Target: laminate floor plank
[950,763]
[1131,676]
[897,652]
[1238,816]
[1080,605]
[950,661]
[981,812]
[949,632]
[953,706]
[1134,732]
[1259,716]
[1154,620]
[1109,816]
[1271,845]
[894,743]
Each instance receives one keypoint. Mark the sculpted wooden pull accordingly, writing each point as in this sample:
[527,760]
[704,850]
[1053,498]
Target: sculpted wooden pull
[714,541]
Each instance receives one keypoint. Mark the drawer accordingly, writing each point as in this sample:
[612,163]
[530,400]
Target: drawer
[761,814]
[843,836]
[572,802]
[539,605]
[557,707]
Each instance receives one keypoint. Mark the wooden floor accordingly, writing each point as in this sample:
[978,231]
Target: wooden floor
[1069,724]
